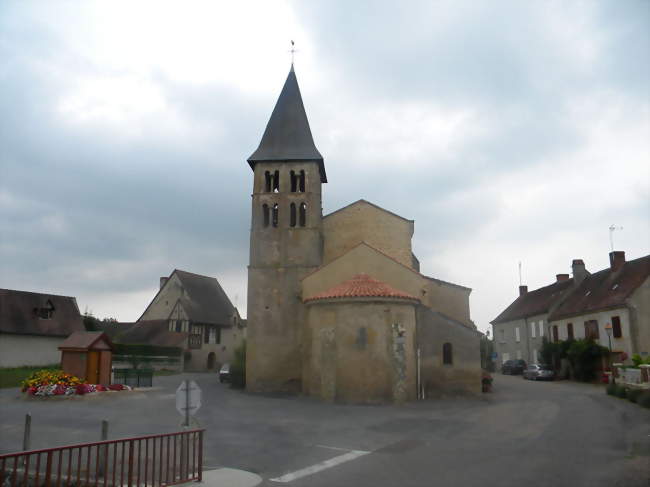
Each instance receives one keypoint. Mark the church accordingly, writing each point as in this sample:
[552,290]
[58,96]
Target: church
[337,306]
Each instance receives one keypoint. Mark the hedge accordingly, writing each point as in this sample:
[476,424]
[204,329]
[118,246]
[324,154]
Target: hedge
[146,350]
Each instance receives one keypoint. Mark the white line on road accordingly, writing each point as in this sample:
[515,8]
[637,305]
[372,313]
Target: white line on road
[332,462]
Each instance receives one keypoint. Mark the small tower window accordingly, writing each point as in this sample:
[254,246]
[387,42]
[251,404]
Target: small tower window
[302,181]
[267,181]
[275,215]
[294,182]
[447,354]
[276,182]
[303,214]
[292,215]
[265,214]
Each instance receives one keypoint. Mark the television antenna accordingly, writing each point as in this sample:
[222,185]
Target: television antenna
[520,273]
[612,229]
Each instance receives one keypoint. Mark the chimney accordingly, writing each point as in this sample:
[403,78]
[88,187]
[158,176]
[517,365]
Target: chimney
[579,271]
[163,281]
[616,260]
[523,290]
[562,277]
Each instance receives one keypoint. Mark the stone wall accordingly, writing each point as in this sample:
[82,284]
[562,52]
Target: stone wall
[280,256]
[364,222]
[447,298]
[361,351]
[463,375]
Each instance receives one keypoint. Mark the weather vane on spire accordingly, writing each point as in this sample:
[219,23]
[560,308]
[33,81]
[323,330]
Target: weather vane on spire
[292,51]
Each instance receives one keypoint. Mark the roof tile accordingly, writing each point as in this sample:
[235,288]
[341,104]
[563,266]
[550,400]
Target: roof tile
[362,286]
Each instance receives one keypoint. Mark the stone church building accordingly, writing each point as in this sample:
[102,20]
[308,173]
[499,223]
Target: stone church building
[337,306]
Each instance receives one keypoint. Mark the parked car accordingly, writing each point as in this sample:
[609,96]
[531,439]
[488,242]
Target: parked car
[224,373]
[539,372]
[513,367]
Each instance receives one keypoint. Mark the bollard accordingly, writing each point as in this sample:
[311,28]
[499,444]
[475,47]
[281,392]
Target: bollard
[103,450]
[28,432]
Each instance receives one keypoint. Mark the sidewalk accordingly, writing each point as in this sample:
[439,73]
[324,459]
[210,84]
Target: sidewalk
[228,477]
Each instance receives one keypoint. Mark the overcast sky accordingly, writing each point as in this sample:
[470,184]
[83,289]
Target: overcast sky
[509,131]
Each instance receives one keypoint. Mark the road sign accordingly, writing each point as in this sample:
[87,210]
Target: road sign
[188,398]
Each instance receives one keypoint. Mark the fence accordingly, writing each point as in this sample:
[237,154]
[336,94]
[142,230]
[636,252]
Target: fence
[636,378]
[147,461]
[133,377]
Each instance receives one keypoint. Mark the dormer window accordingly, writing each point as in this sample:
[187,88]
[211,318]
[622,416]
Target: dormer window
[45,312]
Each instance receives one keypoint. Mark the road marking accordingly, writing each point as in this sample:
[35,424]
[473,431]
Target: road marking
[332,462]
[336,448]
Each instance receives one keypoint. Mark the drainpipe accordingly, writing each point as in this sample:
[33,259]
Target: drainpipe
[418,379]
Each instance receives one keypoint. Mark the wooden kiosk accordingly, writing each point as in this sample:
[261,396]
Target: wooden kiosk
[89,356]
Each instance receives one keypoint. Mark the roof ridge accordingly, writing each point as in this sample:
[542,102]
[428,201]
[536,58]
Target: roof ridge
[362,286]
[37,293]
[371,204]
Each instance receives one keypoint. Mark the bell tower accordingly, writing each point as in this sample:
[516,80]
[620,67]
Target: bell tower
[285,244]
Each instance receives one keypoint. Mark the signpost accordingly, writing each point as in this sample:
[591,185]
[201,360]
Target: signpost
[188,400]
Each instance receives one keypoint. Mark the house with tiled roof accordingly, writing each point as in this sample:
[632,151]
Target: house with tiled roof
[616,297]
[194,311]
[337,305]
[33,326]
[580,306]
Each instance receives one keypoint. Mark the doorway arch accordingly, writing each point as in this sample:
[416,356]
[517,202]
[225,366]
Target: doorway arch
[212,358]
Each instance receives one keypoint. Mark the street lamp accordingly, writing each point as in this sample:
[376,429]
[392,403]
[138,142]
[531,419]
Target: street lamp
[608,329]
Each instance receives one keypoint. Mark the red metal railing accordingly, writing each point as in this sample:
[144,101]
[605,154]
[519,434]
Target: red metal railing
[147,461]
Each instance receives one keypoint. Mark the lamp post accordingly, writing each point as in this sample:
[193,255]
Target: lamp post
[608,329]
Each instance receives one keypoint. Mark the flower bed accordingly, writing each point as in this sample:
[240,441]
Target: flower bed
[57,383]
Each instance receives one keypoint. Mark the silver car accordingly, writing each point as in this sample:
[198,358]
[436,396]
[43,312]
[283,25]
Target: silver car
[539,371]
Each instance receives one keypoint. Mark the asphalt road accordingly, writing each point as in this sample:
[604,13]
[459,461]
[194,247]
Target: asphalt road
[523,434]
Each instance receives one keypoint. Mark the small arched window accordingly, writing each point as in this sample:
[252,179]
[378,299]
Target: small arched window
[267,182]
[292,215]
[302,181]
[294,181]
[276,182]
[303,214]
[447,354]
[265,214]
[275,215]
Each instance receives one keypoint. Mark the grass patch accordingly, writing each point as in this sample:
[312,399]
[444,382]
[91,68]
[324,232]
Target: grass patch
[13,376]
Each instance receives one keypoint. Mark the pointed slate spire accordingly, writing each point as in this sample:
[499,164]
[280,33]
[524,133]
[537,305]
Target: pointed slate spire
[287,136]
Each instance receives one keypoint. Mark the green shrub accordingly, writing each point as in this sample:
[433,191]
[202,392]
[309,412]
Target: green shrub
[644,399]
[238,368]
[633,394]
[611,389]
[620,391]
[585,357]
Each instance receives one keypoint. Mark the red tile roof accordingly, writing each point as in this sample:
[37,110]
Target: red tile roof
[604,289]
[362,286]
[535,302]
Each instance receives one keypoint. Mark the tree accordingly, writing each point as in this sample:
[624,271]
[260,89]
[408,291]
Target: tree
[238,367]
[585,356]
[487,348]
